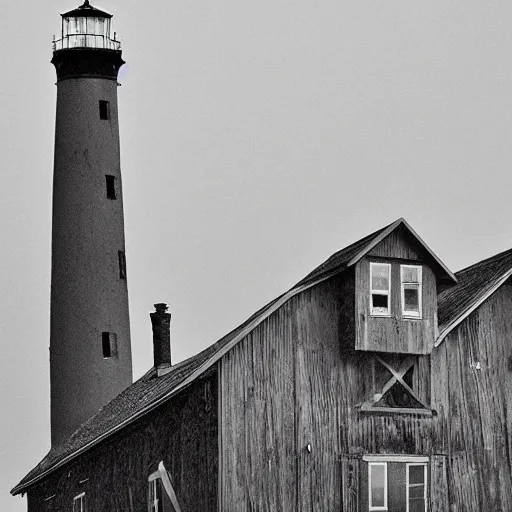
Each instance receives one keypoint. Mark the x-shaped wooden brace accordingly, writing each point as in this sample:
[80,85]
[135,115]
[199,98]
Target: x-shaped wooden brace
[398,376]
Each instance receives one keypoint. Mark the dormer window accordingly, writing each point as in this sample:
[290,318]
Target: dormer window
[380,287]
[410,277]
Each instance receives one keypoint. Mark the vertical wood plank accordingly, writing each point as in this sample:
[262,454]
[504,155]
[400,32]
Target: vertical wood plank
[351,484]
[439,494]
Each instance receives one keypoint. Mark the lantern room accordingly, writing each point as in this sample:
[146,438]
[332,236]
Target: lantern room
[86,27]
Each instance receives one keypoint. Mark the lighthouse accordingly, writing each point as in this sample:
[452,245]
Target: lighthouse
[90,352]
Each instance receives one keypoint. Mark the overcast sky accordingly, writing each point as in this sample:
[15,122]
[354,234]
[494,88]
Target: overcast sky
[257,138]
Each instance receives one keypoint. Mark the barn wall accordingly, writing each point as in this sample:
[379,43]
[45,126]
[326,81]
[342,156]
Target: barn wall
[182,433]
[296,381]
[474,404]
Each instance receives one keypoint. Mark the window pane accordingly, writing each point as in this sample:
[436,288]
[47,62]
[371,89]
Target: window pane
[81,25]
[378,480]
[72,26]
[411,298]
[380,277]
[417,488]
[380,301]
[417,492]
[417,506]
[410,275]
[416,474]
[100,26]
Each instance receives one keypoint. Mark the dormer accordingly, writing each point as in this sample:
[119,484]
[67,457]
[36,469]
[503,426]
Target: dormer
[397,278]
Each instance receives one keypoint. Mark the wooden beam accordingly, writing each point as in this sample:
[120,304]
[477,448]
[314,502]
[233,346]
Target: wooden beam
[368,408]
[398,377]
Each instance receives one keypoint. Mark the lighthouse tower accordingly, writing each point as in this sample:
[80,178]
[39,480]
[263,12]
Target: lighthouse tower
[90,352]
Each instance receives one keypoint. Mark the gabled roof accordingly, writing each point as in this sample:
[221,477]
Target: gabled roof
[353,253]
[149,392]
[475,285]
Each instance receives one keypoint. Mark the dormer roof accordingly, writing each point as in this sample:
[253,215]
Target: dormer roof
[351,254]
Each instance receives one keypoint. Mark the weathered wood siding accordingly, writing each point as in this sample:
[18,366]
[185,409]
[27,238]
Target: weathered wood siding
[399,244]
[395,333]
[182,433]
[295,381]
[472,392]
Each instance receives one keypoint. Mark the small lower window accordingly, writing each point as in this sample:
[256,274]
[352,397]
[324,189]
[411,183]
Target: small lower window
[79,503]
[396,482]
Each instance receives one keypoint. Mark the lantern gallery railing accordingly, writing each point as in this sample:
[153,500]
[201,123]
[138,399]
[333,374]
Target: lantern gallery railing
[86,41]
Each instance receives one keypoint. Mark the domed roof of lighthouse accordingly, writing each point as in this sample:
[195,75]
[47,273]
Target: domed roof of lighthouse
[86,10]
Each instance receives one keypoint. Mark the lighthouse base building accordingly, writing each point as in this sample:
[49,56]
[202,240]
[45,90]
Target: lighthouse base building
[381,381]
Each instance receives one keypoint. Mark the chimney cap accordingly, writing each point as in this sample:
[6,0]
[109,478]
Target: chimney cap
[161,307]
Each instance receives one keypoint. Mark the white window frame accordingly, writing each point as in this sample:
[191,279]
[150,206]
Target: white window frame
[152,482]
[370,505]
[380,292]
[412,314]
[81,498]
[395,458]
[167,488]
[425,483]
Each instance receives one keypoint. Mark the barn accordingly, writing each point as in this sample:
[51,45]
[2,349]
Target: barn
[381,381]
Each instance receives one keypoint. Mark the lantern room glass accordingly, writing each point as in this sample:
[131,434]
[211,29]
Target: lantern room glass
[86,32]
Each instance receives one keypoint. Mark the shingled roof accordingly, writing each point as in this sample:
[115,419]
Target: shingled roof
[149,392]
[475,285]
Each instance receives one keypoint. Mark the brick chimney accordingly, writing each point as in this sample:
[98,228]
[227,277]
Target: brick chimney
[161,323]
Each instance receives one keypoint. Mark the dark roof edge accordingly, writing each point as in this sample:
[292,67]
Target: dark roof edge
[472,307]
[86,10]
[199,371]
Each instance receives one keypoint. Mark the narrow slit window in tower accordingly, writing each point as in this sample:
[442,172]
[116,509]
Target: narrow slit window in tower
[111,186]
[122,265]
[104,110]
[109,344]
